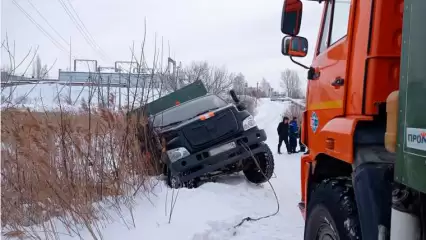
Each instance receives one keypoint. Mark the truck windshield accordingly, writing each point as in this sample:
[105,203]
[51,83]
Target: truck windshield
[188,110]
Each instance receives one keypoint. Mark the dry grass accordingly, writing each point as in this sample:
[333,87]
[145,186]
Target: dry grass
[62,165]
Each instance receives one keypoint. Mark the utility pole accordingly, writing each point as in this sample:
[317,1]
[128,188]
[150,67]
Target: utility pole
[70,56]
[174,76]
[257,92]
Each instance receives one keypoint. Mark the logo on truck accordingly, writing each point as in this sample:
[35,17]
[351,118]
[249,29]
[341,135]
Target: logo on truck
[416,138]
[314,122]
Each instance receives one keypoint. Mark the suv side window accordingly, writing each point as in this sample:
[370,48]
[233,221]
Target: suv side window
[339,27]
[325,29]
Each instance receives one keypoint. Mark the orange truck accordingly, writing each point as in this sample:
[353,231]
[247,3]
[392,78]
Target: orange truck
[364,175]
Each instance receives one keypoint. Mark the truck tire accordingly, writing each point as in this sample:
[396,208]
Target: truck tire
[332,212]
[265,161]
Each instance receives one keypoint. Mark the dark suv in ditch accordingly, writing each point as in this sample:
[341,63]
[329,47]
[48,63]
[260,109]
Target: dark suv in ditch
[206,137]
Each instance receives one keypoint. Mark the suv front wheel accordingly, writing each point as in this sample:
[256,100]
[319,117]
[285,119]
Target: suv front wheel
[260,169]
[173,181]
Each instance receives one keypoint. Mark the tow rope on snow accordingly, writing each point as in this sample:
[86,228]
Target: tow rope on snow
[250,219]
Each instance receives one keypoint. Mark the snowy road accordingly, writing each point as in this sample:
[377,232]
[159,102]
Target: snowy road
[211,211]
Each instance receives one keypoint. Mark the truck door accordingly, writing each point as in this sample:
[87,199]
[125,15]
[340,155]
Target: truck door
[327,90]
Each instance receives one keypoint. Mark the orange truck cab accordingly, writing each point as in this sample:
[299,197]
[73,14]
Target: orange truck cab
[347,175]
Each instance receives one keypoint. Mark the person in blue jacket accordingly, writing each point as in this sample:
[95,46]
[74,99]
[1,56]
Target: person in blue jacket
[293,130]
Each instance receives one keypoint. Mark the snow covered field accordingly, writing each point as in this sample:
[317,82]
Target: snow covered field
[42,97]
[210,211]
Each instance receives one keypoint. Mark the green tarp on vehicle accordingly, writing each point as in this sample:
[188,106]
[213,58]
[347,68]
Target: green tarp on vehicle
[189,92]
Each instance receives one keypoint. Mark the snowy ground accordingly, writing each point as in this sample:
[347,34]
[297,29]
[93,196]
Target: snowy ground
[211,211]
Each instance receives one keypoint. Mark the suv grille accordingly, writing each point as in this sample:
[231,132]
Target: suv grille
[212,130]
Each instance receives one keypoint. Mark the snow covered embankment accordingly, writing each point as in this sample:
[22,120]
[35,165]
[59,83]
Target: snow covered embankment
[211,211]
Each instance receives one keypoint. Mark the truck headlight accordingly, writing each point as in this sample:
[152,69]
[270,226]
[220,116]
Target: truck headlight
[249,123]
[177,153]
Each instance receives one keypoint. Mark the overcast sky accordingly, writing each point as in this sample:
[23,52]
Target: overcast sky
[243,35]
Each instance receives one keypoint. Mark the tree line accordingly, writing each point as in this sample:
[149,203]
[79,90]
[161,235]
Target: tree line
[218,80]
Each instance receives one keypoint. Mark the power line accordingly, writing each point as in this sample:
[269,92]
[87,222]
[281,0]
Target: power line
[84,27]
[75,23]
[48,23]
[52,39]
[80,29]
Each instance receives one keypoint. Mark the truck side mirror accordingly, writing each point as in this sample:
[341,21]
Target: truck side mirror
[294,46]
[291,18]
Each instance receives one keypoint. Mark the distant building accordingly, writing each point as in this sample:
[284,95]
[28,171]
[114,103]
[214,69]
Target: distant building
[109,78]
[10,79]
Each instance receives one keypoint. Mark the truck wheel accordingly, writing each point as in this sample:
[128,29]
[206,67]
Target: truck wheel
[265,161]
[332,212]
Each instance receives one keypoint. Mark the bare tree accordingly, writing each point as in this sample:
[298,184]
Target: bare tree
[239,84]
[291,83]
[44,72]
[37,69]
[217,80]
[294,110]
[265,88]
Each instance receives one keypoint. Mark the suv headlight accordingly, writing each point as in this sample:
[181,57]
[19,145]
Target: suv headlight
[177,153]
[249,123]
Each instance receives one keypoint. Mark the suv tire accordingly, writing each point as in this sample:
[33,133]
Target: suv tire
[173,181]
[332,212]
[265,161]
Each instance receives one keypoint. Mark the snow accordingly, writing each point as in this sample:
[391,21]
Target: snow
[210,211]
[49,96]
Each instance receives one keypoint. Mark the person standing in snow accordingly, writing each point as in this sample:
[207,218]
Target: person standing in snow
[283,134]
[293,133]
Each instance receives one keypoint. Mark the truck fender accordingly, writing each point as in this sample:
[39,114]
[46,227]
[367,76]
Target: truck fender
[340,131]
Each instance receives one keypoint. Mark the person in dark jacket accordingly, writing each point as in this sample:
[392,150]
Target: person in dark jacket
[293,133]
[283,134]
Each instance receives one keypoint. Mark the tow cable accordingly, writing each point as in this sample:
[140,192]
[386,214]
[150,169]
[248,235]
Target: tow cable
[246,219]
[250,219]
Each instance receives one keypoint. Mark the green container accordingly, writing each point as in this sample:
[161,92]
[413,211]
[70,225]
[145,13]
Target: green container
[410,167]
[189,92]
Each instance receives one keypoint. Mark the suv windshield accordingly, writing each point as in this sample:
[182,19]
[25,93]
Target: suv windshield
[188,110]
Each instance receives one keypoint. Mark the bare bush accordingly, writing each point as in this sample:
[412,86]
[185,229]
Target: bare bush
[294,110]
[62,166]
[9,80]
[291,83]
[21,100]
[55,164]
[248,101]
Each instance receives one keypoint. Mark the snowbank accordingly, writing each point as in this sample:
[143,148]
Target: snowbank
[211,211]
